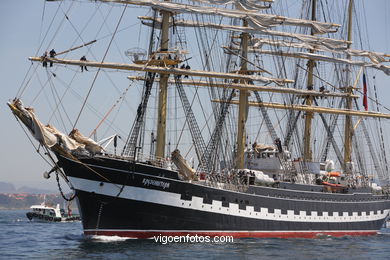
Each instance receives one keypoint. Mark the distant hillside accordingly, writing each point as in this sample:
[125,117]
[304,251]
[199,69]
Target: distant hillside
[6,187]
[24,197]
[24,200]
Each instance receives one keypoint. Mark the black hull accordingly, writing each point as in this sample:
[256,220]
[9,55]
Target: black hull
[138,200]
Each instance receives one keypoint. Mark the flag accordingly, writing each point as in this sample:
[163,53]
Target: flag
[365,103]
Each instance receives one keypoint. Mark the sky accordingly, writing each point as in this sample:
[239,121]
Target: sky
[20,22]
[19,164]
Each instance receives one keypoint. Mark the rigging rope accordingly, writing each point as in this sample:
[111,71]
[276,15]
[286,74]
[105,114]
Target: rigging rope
[110,110]
[23,86]
[381,135]
[98,71]
[59,103]
[29,138]
[43,157]
[91,108]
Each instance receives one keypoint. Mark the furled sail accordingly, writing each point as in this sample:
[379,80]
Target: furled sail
[48,135]
[258,20]
[375,57]
[90,144]
[240,4]
[184,168]
[250,87]
[320,57]
[253,29]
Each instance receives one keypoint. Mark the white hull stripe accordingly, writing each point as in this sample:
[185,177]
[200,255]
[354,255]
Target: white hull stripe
[174,200]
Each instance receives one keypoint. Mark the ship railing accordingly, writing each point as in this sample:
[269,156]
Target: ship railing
[150,159]
[160,162]
[224,181]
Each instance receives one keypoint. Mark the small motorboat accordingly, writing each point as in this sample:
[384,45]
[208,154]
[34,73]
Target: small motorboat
[45,212]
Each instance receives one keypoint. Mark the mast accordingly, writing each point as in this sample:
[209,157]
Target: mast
[162,97]
[307,149]
[348,120]
[243,105]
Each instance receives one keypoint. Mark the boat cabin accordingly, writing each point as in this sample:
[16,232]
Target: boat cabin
[264,158]
[46,210]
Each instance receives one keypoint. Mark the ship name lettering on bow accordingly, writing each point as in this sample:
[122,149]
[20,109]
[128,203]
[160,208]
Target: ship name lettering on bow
[162,184]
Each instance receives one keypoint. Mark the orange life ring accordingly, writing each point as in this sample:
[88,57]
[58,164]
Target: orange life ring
[334,174]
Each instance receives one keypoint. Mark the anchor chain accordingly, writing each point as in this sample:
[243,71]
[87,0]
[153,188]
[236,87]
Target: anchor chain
[60,189]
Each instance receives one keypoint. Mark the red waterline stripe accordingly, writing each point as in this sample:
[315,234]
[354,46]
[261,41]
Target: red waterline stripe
[235,234]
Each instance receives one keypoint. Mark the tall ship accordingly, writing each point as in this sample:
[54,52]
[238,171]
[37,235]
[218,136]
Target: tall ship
[247,118]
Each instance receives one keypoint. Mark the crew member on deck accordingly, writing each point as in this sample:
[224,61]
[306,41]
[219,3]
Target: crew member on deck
[279,145]
[83,67]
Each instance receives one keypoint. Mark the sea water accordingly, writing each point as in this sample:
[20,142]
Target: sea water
[22,239]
